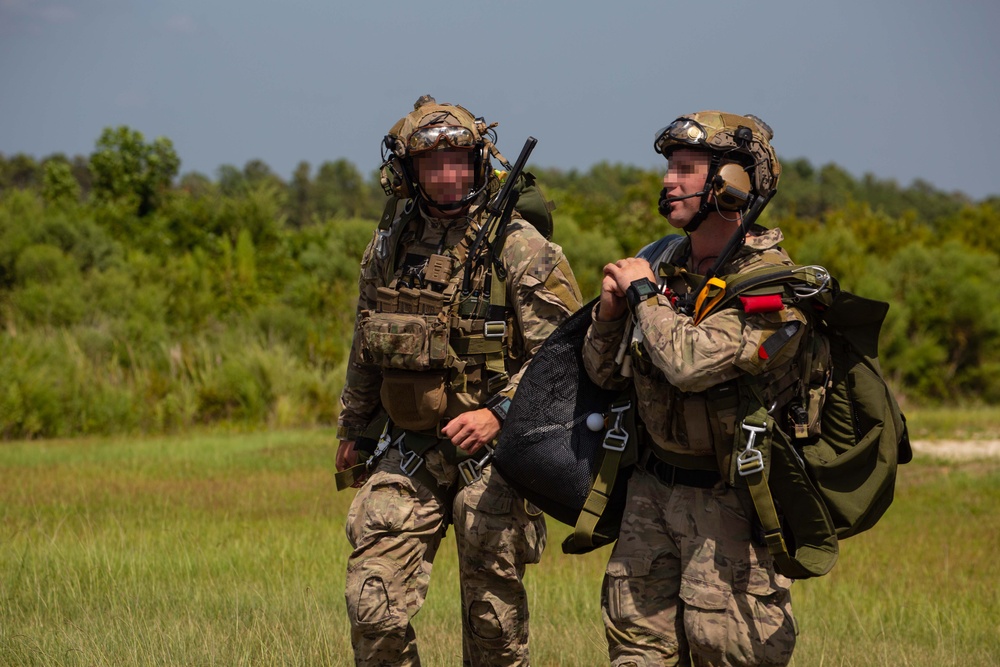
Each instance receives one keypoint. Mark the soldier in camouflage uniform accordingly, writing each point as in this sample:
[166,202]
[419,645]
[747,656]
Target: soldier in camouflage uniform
[687,583]
[443,362]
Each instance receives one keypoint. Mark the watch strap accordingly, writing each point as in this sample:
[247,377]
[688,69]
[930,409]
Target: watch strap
[498,405]
[639,291]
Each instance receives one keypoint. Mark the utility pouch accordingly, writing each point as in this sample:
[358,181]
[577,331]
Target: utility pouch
[819,378]
[409,300]
[438,270]
[431,302]
[473,307]
[404,342]
[387,300]
[415,401]
[814,409]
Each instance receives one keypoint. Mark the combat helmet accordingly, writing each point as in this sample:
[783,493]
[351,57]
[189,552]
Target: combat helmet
[743,164]
[435,126]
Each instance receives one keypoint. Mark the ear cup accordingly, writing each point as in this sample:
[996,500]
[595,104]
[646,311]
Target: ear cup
[394,180]
[731,187]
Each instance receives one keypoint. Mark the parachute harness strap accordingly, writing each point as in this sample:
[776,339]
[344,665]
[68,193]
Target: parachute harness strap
[615,440]
[753,464]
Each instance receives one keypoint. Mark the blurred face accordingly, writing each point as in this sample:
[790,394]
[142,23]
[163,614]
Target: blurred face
[687,169]
[445,175]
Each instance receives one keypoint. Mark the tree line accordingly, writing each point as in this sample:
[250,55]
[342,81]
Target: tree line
[137,299]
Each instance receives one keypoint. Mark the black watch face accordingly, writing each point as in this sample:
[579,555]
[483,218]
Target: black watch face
[640,290]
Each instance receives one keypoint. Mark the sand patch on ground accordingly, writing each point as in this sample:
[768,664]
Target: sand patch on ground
[960,450]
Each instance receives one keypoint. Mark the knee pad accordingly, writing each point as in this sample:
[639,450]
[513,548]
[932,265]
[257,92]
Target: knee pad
[484,621]
[372,594]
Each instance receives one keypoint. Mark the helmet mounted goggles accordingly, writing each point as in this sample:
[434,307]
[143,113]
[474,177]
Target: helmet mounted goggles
[436,126]
[431,137]
[683,131]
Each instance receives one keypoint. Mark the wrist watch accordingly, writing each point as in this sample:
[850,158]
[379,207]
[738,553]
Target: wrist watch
[639,291]
[498,405]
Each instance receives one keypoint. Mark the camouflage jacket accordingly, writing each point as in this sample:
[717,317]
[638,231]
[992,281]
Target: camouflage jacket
[679,365]
[541,292]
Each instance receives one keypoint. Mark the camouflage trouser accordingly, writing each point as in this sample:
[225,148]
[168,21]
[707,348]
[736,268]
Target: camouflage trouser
[395,525]
[686,586]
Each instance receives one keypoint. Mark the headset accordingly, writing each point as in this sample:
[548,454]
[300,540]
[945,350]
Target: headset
[731,187]
[730,184]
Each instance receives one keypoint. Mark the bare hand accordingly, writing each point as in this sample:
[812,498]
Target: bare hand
[346,456]
[471,430]
[612,302]
[617,278]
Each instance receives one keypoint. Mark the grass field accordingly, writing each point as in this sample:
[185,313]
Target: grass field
[229,550]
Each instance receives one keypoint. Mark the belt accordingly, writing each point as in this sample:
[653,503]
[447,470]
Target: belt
[671,475]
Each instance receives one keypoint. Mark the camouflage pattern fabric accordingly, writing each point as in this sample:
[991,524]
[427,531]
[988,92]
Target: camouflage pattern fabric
[700,593]
[395,525]
[689,359]
[541,290]
[685,584]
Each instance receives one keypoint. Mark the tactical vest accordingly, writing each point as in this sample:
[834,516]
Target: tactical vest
[695,430]
[442,352]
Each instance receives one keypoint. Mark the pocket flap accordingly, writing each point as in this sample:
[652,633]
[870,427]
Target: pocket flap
[704,595]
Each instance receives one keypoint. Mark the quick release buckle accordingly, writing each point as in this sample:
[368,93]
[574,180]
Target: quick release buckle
[382,245]
[617,437]
[411,462]
[494,329]
[384,441]
[750,460]
[471,470]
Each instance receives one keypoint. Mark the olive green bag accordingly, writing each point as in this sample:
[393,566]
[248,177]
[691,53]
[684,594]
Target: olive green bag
[532,204]
[809,492]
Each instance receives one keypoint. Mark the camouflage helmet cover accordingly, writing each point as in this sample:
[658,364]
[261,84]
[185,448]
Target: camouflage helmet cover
[428,112]
[727,134]
[397,174]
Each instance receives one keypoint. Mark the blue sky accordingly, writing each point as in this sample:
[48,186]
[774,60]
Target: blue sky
[902,90]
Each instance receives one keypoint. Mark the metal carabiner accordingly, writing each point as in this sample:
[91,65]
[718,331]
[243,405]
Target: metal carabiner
[807,291]
[617,437]
[750,460]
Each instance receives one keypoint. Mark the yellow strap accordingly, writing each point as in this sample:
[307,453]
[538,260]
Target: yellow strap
[702,309]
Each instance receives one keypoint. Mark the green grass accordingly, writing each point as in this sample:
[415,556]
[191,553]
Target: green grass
[980,422]
[229,550]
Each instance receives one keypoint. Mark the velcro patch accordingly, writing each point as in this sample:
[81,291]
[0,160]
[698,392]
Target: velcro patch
[778,340]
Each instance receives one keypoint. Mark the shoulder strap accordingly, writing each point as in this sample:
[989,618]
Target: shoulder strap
[804,282]
[395,216]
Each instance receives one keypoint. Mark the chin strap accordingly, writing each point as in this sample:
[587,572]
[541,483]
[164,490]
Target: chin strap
[705,208]
[663,205]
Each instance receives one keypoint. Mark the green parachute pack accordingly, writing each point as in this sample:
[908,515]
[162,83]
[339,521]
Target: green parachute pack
[832,473]
[827,475]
